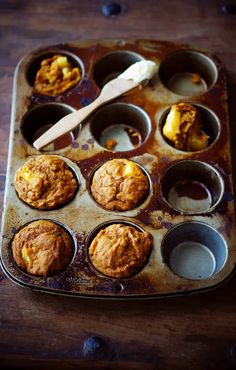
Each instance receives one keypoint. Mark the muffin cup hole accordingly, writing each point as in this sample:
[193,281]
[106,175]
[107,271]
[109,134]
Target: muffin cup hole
[209,120]
[35,64]
[40,118]
[120,127]
[192,187]
[119,287]
[188,73]
[111,65]
[194,250]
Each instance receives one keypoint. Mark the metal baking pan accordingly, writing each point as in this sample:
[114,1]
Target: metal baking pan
[192,250]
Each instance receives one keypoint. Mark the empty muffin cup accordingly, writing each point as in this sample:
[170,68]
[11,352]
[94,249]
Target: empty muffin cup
[192,187]
[120,127]
[209,121]
[54,72]
[111,65]
[188,73]
[40,118]
[118,248]
[194,250]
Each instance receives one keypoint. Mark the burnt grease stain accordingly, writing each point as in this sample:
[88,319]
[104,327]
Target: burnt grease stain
[191,189]
[134,135]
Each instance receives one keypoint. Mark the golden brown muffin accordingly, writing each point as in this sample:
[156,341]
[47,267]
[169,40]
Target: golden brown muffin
[42,248]
[120,251]
[120,185]
[45,182]
[183,128]
[56,75]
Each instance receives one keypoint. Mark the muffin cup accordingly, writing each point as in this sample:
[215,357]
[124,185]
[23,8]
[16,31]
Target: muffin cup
[47,188]
[68,232]
[194,250]
[112,64]
[92,235]
[188,73]
[128,125]
[42,117]
[210,124]
[35,63]
[140,203]
[192,187]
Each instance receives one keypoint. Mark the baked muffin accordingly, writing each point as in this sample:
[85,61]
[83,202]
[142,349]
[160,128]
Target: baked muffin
[120,251]
[183,128]
[120,185]
[45,182]
[56,75]
[42,248]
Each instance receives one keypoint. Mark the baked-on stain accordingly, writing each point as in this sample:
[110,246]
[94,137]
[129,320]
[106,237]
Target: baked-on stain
[191,189]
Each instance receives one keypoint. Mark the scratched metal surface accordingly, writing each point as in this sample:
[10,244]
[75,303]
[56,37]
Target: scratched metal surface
[82,215]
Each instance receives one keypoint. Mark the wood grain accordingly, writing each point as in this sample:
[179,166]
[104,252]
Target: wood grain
[38,330]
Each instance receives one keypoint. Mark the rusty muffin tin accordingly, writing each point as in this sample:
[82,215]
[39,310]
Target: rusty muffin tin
[194,240]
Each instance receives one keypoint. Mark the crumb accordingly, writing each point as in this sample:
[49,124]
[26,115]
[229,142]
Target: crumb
[196,79]
[110,144]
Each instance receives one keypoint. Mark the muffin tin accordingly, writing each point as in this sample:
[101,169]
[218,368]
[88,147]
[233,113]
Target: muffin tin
[189,210]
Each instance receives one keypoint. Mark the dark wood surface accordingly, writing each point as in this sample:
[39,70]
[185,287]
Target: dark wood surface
[44,331]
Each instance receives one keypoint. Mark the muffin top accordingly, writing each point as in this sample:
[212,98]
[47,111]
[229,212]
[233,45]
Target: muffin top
[42,248]
[120,251]
[120,185]
[45,182]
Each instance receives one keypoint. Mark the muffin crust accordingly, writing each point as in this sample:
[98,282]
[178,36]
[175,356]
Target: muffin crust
[42,248]
[45,182]
[120,251]
[120,185]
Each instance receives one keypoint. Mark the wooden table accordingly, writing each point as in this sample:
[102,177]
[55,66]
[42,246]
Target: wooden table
[43,331]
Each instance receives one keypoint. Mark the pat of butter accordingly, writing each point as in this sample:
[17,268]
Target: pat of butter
[62,62]
[129,170]
[171,127]
[140,71]
[27,174]
[65,71]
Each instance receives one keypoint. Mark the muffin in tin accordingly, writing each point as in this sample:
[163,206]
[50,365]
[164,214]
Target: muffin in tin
[56,75]
[119,184]
[45,182]
[183,128]
[42,248]
[120,250]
